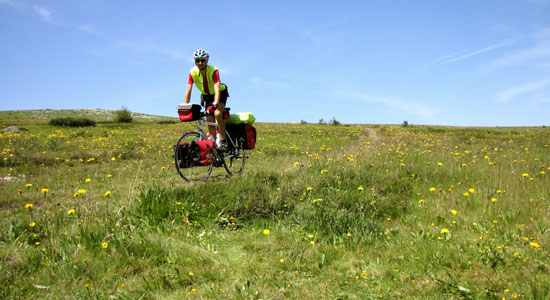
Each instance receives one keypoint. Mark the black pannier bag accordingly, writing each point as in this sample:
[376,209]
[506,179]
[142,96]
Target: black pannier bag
[243,134]
[186,155]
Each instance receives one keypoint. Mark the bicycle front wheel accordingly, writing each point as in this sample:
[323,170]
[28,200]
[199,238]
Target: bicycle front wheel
[187,170]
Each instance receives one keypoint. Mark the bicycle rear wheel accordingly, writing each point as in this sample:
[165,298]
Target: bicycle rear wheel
[234,161]
[189,173]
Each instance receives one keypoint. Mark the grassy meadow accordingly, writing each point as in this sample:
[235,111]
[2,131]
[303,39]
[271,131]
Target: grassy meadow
[320,212]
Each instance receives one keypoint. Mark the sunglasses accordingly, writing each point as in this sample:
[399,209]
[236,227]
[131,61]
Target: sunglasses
[200,60]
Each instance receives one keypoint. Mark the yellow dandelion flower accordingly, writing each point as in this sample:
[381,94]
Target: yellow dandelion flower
[312,242]
[324,171]
[104,245]
[466,194]
[535,245]
[70,211]
[29,206]
[28,185]
[494,200]
[444,231]
[266,232]
[432,189]
[309,188]
[348,235]
[282,260]
[107,193]
[109,175]
[44,191]
[360,188]
[440,164]
[454,212]
[473,191]
[87,180]
[32,224]
[191,274]
[19,192]
[525,174]
[421,201]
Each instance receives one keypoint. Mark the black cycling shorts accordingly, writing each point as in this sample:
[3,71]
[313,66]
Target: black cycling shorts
[208,100]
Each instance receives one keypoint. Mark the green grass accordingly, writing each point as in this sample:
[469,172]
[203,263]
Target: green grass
[353,212]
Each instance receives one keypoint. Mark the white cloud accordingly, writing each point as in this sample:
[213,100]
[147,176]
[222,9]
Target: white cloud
[394,102]
[260,82]
[12,3]
[43,12]
[535,53]
[176,54]
[538,52]
[88,28]
[535,90]
[455,57]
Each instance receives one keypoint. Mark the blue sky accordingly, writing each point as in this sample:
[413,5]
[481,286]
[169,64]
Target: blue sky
[460,63]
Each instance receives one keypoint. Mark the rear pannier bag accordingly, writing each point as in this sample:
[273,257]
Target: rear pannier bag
[189,112]
[244,134]
[196,153]
[249,141]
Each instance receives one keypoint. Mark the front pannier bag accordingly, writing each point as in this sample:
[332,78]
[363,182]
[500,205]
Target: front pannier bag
[196,153]
[189,112]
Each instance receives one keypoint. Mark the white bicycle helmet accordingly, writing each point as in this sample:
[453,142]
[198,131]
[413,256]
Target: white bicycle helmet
[201,53]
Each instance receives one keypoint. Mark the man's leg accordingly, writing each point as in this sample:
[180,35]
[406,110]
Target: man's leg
[219,117]
[211,129]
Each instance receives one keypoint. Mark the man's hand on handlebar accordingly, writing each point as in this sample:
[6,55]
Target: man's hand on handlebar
[210,109]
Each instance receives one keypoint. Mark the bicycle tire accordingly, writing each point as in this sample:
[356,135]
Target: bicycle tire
[234,161]
[193,173]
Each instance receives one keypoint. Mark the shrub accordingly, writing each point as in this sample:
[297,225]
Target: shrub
[334,122]
[123,116]
[72,122]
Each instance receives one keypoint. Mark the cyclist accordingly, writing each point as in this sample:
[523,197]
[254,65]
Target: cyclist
[213,93]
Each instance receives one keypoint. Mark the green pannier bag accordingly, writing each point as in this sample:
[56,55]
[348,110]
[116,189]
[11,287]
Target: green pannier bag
[241,118]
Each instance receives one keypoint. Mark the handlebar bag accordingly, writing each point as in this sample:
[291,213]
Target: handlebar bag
[189,112]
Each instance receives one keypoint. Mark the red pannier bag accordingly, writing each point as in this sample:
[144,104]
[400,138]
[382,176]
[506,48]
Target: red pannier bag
[189,112]
[197,153]
[204,148]
[249,135]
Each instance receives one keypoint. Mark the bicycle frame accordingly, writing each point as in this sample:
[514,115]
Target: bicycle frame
[203,134]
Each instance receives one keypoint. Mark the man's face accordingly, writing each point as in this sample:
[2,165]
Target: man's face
[201,63]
